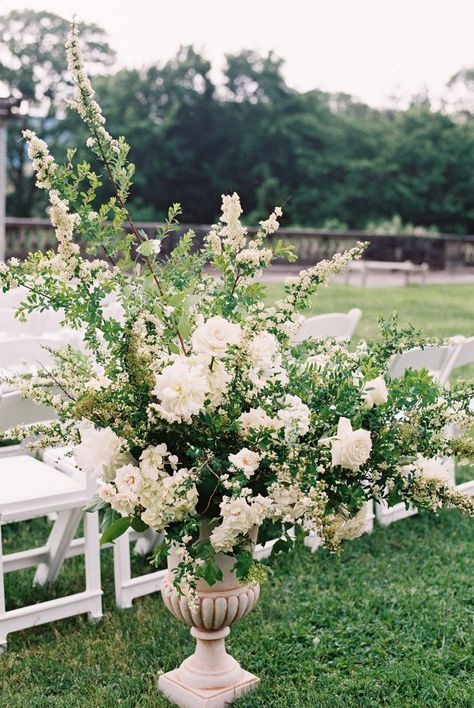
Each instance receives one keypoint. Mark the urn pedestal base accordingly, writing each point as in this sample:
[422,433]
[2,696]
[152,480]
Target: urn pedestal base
[186,697]
[210,678]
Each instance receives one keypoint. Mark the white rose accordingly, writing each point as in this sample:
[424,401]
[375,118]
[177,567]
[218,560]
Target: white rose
[128,479]
[181,387]
[245,460]
[350,448]
[100,451]
[151,461]
[471,405]
[375,392]
[237,514]
[214,336]
[256,418]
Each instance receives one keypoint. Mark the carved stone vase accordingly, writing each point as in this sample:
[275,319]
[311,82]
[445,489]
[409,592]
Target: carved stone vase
[210,677]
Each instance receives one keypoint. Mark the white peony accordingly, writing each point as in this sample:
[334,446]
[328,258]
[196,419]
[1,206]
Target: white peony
[294,416]
[350,448]
[375,392]
[100,451]
[181,388]
[245,460]
[214,336]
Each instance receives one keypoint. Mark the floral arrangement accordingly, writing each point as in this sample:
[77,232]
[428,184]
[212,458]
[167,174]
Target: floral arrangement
[190,399]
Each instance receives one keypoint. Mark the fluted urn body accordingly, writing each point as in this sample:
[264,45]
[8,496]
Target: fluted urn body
[210,677]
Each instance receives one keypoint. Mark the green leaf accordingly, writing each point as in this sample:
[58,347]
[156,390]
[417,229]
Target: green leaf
[116,529]
[146,249]
[210,571]
[139,525]
[95,504]
[243,563]
[281,546]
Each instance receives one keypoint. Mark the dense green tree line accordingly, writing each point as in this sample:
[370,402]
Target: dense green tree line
[331,159]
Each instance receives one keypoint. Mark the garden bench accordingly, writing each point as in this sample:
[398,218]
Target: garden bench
[407,268]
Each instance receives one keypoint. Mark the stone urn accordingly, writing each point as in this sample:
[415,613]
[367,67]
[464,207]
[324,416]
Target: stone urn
[210,677]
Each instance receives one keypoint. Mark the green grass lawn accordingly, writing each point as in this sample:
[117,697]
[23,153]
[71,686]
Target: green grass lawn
[388,622]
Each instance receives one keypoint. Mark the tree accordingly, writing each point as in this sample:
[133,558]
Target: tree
[33,67]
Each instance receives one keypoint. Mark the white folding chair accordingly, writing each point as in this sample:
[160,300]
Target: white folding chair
[340,325]
[462,357]
[438,360]
[127,588]
[12,298]
[30,489]
[37,324]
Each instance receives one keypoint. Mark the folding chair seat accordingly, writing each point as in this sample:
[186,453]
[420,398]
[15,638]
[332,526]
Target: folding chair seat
[340,325]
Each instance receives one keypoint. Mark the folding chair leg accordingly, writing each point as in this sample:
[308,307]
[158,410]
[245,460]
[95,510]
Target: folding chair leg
[122,570]
[92,562]
[3,632]
[58,544]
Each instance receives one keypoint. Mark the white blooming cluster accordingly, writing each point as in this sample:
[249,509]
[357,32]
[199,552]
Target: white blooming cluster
[155,487]
[232,233]
[43,163]
[85,103]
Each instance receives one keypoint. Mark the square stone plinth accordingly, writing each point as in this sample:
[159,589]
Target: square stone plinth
[186,697]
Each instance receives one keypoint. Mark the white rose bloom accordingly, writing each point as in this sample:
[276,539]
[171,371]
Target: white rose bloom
[181,387]
[122,502]
[294,416]
[471,405]
[223,538]
[128,479]
[125,503]
[245,460]
[255,419]
[375,392]
[151,461]
[350,448]
[214,336]
[100,451]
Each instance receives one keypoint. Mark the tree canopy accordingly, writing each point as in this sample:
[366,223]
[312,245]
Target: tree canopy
[331,159]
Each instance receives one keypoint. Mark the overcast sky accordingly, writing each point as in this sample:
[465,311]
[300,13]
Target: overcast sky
[373,49]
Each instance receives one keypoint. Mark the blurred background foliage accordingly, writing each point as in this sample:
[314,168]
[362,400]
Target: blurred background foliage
[335,162]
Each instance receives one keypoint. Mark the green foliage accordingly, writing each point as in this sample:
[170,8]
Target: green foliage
[339,163]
